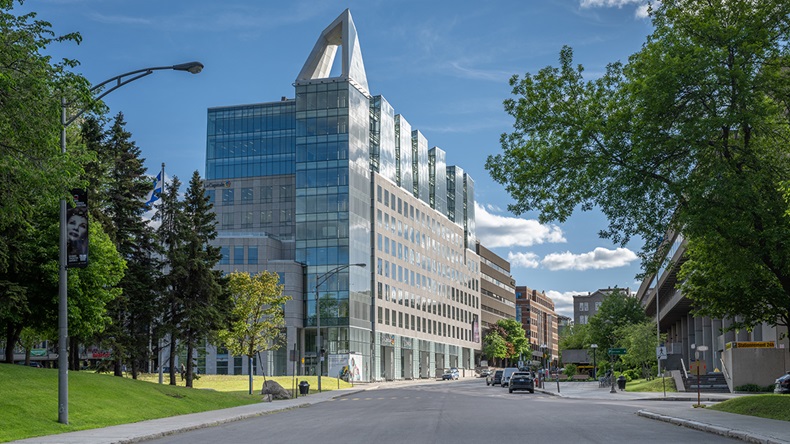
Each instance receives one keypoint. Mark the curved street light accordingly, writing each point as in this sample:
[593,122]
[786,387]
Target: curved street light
[320,279]
[63,321]
[594,347]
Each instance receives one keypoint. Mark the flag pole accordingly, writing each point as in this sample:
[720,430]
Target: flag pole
[159,354]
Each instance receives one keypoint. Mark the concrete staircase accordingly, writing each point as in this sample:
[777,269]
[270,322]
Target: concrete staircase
[708,383]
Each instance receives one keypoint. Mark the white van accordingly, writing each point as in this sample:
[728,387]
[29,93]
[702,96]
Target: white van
[506,374]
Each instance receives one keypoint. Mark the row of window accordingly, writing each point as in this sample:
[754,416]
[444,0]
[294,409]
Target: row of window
[266,194]
[420,324]
[402,297]
[266,218]
[585,306]
[251,120]
[242,168]
[237,256]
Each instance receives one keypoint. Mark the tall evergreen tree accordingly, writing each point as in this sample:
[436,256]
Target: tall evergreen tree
[170,215]
[203,293]
[134,312]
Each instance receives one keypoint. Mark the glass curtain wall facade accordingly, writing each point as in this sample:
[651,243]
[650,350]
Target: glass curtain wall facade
[310,186]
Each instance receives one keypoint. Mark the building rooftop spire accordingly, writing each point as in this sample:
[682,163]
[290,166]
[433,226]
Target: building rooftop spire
[341,32]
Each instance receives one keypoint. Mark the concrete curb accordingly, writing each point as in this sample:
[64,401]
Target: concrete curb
[710,428]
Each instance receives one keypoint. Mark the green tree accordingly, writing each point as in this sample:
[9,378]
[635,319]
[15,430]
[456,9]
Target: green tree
[515,337]
[576,337]
[200,289]
[34,174]
[494,345]
[617,310]
[171,216]
[640,342]
[689,136]
[257,315]
[135,311]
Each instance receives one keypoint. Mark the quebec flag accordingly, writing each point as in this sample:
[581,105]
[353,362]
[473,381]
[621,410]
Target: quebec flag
[153,196]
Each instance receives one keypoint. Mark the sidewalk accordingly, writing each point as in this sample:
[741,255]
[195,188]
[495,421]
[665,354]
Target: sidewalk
[157,428]
[746,428]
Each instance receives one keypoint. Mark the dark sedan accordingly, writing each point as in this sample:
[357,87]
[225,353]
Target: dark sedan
[783,384]
[494,378]
[521,381]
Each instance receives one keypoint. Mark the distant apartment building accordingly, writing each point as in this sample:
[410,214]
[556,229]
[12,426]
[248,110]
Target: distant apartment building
[536,313]
[497,288]
[585,306]
[563,324]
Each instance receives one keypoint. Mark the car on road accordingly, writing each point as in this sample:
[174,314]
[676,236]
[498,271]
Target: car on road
[494,378]
[450,374]
[521,381]
[783,384]
[506,374]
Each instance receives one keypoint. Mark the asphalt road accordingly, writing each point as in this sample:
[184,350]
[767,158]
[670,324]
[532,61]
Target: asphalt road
[453,412]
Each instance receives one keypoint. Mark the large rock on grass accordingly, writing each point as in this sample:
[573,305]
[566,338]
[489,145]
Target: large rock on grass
[274,390]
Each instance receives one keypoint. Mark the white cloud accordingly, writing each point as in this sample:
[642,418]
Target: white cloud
[525,260]
[563,302]
[499,231]
[641,5]
[600,258]
[608,3]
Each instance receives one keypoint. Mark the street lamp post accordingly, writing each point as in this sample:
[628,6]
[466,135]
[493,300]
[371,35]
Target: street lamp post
[703,349]
[543,348]
[63,322]
[320,279]
[595,364]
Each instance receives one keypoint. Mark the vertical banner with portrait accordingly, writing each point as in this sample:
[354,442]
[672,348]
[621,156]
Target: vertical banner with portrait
[77,231]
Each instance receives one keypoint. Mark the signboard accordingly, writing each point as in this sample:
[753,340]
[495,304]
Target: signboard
[661,352]
[751,344]
[617,351]
[346,366]
[698,367]
[77,231]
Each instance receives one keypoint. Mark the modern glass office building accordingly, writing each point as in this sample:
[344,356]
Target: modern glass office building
[313,186]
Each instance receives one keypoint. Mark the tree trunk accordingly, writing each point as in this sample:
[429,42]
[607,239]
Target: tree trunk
[172,360]
[12,336]
[190,365]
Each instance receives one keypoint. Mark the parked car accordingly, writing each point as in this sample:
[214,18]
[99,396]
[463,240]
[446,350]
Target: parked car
[521,381]
[783,384]
[494,378]
[450,374]
[484,372]
[506,374]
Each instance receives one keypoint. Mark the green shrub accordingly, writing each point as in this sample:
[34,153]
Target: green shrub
[570,370]
[632,374]
[754,388]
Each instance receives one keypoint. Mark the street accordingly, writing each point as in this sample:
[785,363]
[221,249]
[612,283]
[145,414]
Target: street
[465,411]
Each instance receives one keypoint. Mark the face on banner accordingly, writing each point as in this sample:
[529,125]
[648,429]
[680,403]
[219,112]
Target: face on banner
[77,231]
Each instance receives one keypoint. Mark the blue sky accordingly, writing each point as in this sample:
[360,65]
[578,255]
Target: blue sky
[444,65]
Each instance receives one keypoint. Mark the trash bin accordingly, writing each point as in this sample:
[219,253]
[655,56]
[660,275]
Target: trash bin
[621,382]
[304,388]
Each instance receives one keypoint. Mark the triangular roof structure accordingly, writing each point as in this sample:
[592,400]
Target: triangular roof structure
[341,32]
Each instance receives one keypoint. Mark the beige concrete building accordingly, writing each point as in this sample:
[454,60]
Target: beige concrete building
[497,288]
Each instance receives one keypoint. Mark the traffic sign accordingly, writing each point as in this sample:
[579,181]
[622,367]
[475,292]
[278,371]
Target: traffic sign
[617,351]
[661,352]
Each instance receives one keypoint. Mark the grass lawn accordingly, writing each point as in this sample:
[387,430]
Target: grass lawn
[29,400]
[764,406]
[653,385]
